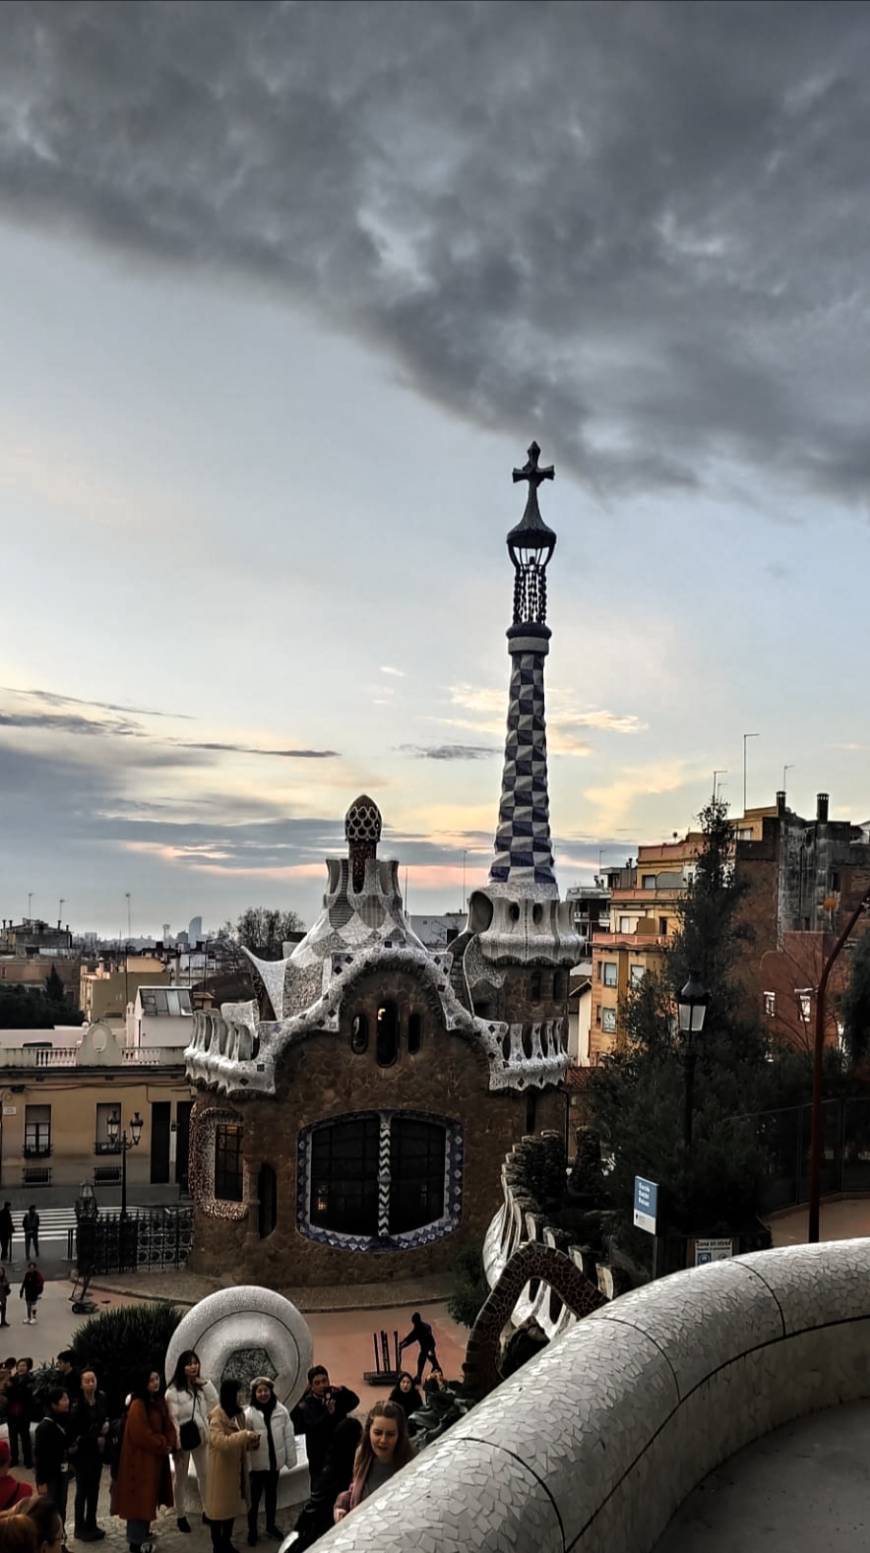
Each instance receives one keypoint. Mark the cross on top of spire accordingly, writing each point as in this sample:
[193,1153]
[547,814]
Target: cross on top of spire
[531,531]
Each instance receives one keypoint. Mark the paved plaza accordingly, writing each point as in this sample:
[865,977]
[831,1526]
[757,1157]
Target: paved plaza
[804,1488]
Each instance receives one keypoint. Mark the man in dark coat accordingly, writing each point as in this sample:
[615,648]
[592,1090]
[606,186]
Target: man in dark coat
[51,1451]
[89,1426]
[318,1414]
[421,1333]
[7,1230]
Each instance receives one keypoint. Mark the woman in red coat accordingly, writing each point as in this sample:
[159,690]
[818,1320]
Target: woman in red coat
[144,1479]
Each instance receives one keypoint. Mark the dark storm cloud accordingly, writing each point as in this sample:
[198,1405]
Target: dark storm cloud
[640,228]
[449,751]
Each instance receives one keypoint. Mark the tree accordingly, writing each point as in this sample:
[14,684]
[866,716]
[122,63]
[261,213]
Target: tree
[265,931]
[22,1008]
[856,1004]
[637,1096]
[54,987]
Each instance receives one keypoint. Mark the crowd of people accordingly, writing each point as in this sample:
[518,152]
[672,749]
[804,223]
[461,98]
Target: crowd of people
[232,1440]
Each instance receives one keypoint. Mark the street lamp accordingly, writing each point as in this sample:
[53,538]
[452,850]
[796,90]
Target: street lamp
[692,1010]
[126,1142]
[816,1141]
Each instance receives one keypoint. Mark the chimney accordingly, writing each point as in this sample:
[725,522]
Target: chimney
[822,809]
[780,803]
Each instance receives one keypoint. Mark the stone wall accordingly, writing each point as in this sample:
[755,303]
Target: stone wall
[594,1445]
[320,1079]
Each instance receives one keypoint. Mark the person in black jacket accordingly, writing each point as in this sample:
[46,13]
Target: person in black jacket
[19,1411]
[51,1451]
[7,1230]
[318,1414]
[316,1516]
[421,1333]
[89,1426]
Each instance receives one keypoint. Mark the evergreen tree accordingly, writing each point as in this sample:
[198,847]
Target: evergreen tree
[637,1096]
[54,987]
[856,1004]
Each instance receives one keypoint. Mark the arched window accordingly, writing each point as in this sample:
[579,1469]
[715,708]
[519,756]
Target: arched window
[359,1033]
[376,1179]
[535,986]
[228,1161]
[267,1201]
[415,1032]
[387,1035]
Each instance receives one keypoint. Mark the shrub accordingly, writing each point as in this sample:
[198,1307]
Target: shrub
[120,1343]
[470,1287]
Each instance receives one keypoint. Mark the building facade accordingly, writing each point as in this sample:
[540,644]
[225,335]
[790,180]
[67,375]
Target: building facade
[59,1090]
[359,1134]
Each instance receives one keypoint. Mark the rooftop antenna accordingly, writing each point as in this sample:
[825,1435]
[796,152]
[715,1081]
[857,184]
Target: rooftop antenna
[29,904]
[129,917]
[719,772]
[785,772]
[60,905]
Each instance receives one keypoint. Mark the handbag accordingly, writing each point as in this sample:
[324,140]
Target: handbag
[189,1436]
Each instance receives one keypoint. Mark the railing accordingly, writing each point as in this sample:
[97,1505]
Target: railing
[71,1057]
[103,1146]
[157,1241]
[785,1139]
[36,1150]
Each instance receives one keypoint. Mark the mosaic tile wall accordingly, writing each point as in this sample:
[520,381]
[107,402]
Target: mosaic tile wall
[594,1445]
[523,850]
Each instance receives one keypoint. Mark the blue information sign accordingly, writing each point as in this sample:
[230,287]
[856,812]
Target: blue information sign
[646,1202]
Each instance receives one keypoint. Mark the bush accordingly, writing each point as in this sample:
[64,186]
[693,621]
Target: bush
[120,1343]
[470,1287]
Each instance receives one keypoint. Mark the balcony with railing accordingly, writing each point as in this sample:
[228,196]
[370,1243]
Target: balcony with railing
[41,1057]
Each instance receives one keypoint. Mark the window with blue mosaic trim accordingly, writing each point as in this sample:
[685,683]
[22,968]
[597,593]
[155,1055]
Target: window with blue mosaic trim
[417,1170]
[344,1176]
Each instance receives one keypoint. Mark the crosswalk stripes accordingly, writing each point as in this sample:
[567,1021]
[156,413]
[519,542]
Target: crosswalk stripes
[55,1224]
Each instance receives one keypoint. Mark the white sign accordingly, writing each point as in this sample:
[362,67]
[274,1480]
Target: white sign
[713,1251]
[10,1110]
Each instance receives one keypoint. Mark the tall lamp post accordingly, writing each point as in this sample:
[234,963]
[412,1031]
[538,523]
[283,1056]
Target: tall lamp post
[816,1140]
[692,1010]
[126,1141]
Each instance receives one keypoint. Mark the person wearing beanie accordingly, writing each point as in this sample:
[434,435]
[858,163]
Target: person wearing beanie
[12,1490]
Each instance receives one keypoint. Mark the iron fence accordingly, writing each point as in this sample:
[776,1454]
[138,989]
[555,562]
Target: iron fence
[156,1240]
[785,1139]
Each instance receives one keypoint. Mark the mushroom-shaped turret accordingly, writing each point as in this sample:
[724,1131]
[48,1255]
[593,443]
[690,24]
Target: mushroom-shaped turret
[362,828]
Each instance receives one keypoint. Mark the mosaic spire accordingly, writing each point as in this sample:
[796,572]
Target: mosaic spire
[523,862]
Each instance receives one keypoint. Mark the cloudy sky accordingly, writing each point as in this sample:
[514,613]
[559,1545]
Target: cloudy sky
[285,291]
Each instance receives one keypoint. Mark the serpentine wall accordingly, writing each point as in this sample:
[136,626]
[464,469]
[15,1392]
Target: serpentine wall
[594,1445]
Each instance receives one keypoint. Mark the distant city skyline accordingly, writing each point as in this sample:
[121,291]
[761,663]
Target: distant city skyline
[271,352]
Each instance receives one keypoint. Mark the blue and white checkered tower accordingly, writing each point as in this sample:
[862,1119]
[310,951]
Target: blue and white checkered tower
[523,862]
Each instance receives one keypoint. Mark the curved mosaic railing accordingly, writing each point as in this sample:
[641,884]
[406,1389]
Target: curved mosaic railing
[595,1444]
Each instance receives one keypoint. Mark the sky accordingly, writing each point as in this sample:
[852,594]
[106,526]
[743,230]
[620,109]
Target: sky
[286,290]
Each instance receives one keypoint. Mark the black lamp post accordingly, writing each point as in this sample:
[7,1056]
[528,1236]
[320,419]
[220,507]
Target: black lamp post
[126,1142]
[692,1009]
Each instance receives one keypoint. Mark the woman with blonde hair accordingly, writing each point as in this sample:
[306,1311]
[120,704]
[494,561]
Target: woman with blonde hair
[384,1449]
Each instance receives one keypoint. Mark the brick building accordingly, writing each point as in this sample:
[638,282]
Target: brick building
[802,878]
[360,1133]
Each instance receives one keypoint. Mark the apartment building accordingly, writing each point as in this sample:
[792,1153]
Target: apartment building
[60,1089]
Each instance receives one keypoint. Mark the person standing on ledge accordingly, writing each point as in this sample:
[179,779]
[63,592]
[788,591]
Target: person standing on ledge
[421,1333]
[319,1413]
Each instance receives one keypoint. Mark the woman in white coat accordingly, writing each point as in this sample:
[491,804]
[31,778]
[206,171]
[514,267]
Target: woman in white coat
[277,1448]
[190,1398]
